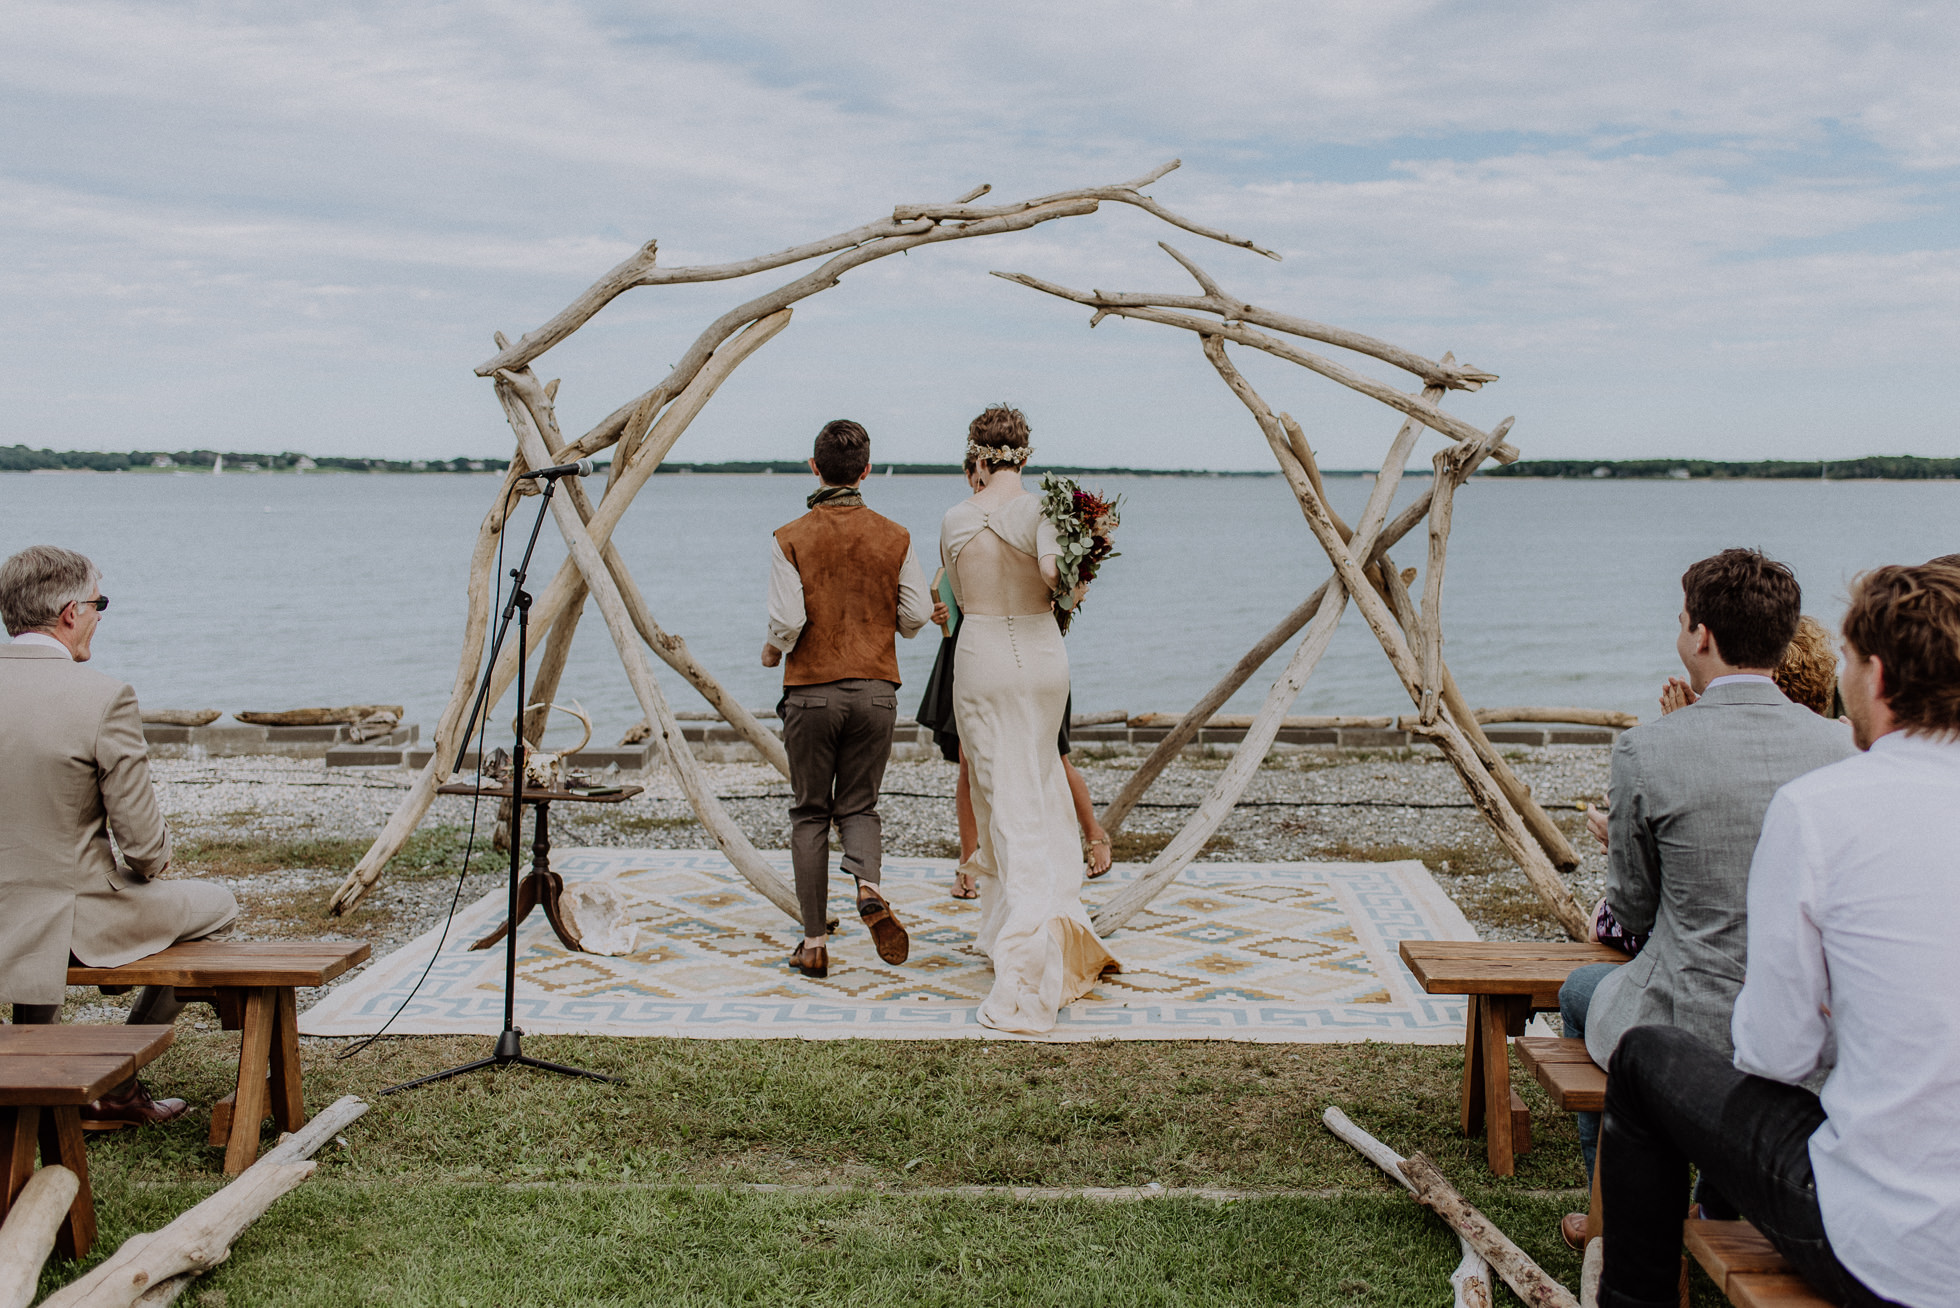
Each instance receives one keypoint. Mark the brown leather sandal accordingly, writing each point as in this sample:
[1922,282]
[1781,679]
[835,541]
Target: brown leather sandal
[893,945]
[811,962]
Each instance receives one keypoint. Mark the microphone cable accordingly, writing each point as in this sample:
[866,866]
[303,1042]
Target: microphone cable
[476,800]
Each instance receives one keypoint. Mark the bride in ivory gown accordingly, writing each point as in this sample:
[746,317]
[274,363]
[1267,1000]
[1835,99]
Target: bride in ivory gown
[1009,692]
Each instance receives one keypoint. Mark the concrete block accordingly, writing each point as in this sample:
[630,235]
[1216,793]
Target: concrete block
[629,758]
[1580,736]
[1515,735]
[418,757]
[1308,736]
[332,732]
[157,733]
[1372,738]
[1221,735]
[365,756]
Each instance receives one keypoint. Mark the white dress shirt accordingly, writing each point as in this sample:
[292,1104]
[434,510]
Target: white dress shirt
[1854,897]
[1730,677]
[787,615]
[42,638]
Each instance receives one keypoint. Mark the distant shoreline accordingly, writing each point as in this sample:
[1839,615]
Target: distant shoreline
[19,458]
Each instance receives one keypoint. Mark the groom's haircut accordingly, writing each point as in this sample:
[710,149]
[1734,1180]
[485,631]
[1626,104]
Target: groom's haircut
[39,582]
[1750,604]
[843,452]
[1909,619]
[999,425]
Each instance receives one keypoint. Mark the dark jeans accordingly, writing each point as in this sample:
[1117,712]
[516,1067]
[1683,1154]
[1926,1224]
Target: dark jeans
[838,736]
[1574,998]
[1672,1100]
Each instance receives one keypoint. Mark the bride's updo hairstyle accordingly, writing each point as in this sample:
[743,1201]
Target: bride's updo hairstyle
[1000,427]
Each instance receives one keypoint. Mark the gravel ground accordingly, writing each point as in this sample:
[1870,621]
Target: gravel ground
[1300,806]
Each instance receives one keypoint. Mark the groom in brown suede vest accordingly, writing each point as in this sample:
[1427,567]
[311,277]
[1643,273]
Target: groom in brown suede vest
[843,581]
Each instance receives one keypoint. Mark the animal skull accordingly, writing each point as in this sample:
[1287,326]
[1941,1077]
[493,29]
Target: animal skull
[545,769]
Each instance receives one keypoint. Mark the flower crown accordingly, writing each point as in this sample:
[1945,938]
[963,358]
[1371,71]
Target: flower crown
[1014,454]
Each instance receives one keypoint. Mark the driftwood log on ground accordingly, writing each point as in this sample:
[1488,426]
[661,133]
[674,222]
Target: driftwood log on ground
[1239,721]
[153,1268]
[27,1237]
[1581,717]
[1525,1277]
[1470,1282]
[182,717]
[320,717]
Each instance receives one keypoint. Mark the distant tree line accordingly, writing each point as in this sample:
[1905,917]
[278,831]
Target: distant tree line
[1887,467]
[795,466]
[18,458]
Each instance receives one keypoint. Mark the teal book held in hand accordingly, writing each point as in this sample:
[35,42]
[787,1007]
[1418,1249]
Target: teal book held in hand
[942,586]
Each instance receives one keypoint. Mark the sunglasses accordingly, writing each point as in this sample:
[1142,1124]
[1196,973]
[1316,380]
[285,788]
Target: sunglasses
[100,604]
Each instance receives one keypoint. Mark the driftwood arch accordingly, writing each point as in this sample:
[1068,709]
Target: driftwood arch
[645,429]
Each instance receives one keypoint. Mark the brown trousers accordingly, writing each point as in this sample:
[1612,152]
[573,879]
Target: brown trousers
[839,737]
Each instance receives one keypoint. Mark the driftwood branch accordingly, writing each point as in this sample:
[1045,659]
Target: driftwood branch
[1489,798]
[1446,374]
[1525,1277]
[27,1237]
[1187,730]
[201,1238]
[908,227]
[1583,717]
[1265,725]
[1471,1279]
[584,552]
[1437,419]
[549,606]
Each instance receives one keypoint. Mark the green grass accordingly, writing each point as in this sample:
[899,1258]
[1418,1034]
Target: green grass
[522,1186]
[430,851]
[336,1243]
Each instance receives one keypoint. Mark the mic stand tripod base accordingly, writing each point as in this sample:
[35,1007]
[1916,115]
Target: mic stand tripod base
[510,1050]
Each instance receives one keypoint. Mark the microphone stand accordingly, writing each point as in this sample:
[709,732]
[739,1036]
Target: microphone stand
[510,1047]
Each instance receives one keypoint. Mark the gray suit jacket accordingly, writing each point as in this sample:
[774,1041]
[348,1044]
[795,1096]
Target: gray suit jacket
[1686,799]
[73,767]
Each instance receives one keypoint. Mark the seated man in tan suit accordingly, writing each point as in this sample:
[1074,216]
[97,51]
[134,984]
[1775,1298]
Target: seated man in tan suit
[73,769]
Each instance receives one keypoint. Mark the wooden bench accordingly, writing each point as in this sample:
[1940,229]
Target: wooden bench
[1746,1267]
[47,1073]
[1506,983]
[251,984]
[1574,1082]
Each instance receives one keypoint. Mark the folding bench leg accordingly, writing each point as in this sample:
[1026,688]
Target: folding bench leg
[20,1135]
[1473,1065]
[1502,1016]
[288,1099]
[254,1058]
[61,1142]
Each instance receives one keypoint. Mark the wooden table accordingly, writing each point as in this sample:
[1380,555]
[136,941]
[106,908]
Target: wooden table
[251,984]
[540,885]
[47,1073]
[1506,982]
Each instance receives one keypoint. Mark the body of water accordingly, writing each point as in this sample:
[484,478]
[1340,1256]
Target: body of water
[268,591]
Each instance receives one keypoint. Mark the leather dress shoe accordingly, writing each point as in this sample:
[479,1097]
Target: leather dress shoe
[887,935]
[1572,1229]
[811,960]
[133,1107]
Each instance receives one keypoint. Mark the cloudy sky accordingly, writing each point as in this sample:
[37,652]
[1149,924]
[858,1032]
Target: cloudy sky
[1673,229]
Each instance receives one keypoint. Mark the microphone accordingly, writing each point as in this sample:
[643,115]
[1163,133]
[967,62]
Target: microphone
[583,468]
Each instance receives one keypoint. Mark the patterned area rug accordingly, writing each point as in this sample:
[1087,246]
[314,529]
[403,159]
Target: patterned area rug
[1300,952]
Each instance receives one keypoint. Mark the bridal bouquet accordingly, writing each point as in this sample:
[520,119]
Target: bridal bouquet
[1086,524]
